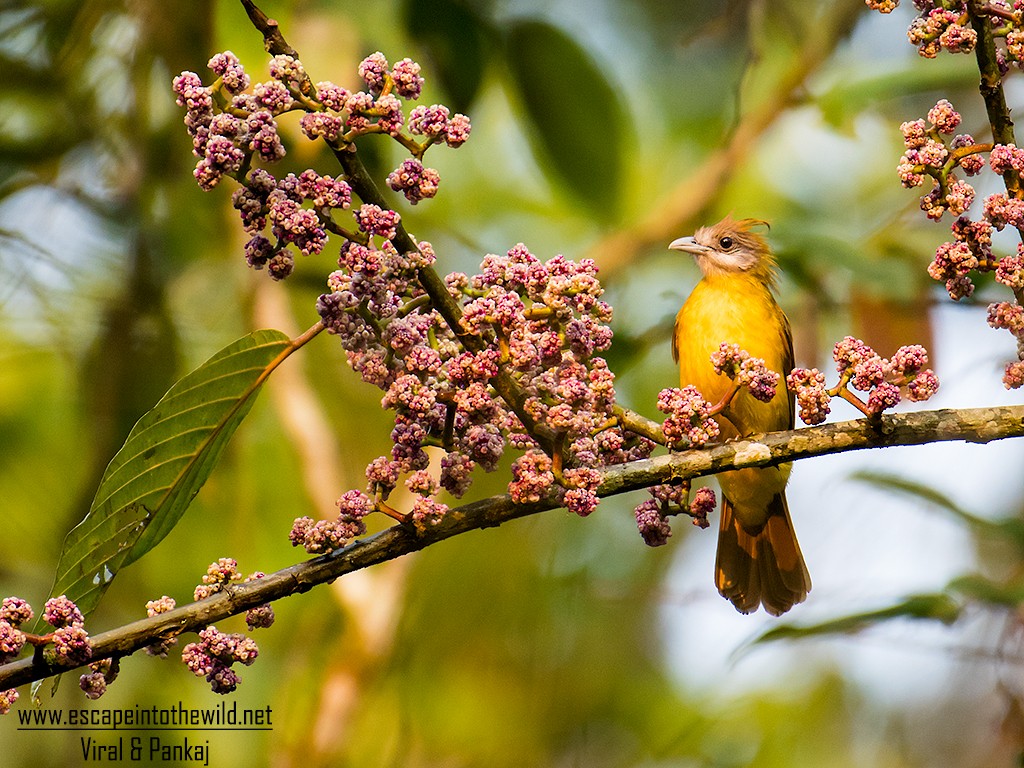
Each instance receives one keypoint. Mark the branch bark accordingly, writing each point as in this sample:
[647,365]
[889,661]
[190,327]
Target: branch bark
[991,87]
[978,425]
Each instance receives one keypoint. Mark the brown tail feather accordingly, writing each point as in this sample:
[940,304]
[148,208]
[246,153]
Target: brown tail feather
[761,567]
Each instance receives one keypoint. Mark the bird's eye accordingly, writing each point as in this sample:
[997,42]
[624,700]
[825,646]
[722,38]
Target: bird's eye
[726,243]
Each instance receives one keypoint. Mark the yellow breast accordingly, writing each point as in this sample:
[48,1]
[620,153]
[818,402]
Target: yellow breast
[735,309]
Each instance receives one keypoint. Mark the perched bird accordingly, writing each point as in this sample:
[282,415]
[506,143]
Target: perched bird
[759,560]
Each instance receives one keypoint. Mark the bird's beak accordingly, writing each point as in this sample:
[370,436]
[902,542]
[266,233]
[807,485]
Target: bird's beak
[689,245]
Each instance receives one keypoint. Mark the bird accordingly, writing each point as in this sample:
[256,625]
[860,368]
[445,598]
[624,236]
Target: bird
[759,562]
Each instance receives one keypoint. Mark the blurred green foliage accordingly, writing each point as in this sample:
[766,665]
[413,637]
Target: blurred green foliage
[596,124]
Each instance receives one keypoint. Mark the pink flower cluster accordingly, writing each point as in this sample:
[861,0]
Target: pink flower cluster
[319,536]
[928,155]
[233,127]
[970,250]
[155,608]
[746,371]
[215,653]
[945,24]
[13,613]
[541,323]
[885,381]
[71,644]
[941,26]
[668,500]
[689,421]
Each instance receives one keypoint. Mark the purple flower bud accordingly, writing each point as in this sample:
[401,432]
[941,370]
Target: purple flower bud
[354,505]
[260,617]
[868,372]
[456,473]
[884,396]
[531,477]
[223,571]
[324,191]
[272,97]
[197,660]
[688,422]
[375,220]
[12,640]
[7,699]
[959,287]
[163,605]
[93,685]
[1008,316]
[408,83]
[915,134]
[373,70]
[429,121]
[332,96]
[287,69]
[60,612]
[1005,158]
[1004,211]
[580,501]
[1013,377]
[851,351]
[192,94]
[227,66]
[223,679]
[908,360]
[924,385]
[1010,271]
[358,105]
[316,125]
[389,114]
[654,528]
[264,140]
[811,396]
[702,505]
[414,181]
[71,645]
[15,611]
[427,513]
[458,131]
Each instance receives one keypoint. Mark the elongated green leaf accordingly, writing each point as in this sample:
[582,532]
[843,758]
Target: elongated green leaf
[577,118]
[164,462]
[937,607]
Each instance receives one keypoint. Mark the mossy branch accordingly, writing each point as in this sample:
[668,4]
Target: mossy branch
[977,425]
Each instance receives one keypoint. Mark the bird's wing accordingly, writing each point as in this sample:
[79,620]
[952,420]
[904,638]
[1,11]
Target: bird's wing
[675,339]
[788,361]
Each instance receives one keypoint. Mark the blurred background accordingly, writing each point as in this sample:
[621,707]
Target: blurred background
[602,129]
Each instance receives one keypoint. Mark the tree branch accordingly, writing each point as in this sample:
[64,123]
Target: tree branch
[991,87]
[977,425]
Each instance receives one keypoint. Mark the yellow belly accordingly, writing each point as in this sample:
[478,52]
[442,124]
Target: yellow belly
[736,309]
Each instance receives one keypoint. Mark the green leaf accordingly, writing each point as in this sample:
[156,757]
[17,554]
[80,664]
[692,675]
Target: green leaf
[164,462]
[577,122]
[456,40]
[938,606]
[979,588]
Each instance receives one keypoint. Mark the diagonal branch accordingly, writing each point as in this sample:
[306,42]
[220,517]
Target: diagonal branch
[977,425]
[368,191]
[991,87]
